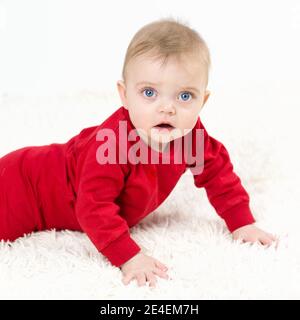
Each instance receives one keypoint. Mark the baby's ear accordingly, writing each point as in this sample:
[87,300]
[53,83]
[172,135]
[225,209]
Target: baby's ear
[121,87]
[206,95]
[122,92]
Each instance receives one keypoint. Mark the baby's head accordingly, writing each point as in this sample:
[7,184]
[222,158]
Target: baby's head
[165,75]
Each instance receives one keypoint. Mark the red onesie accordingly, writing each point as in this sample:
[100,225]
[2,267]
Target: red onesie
[63,186]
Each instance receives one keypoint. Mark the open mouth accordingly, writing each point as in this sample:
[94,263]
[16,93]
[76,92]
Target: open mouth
[164,127]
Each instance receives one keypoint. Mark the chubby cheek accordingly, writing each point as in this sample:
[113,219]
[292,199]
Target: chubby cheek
[140,119]
[187,122]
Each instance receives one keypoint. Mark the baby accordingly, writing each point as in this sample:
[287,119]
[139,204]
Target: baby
[103,181]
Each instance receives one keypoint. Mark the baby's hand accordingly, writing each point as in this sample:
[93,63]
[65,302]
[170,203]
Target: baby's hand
[251,233]
[143,268]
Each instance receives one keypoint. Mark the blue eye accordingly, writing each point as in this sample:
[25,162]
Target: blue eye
[148,92]
[184,95]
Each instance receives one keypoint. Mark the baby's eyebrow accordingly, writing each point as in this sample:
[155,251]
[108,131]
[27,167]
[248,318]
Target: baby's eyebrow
[155,84]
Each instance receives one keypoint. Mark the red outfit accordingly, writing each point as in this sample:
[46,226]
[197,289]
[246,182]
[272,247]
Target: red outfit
[63,186]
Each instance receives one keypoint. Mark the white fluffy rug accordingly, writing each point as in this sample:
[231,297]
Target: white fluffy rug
[184,233]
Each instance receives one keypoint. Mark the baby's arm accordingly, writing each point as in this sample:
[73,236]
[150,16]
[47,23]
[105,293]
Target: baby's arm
[226,192]
[99,216]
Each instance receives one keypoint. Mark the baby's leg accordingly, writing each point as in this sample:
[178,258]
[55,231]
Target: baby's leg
[16,199]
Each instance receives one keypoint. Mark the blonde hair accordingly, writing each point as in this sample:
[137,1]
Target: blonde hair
[166,38]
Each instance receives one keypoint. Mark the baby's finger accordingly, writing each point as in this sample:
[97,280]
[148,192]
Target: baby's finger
[265,240]
[160,273]
[126,279]
[247,240]
[151,278]
[272,236]
[141,279]
[161,265]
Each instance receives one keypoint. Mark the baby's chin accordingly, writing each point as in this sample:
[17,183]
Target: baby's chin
[166,135]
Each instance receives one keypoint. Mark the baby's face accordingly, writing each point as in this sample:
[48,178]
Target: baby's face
[173,93]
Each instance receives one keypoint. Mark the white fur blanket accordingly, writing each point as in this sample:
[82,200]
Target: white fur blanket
[184,233]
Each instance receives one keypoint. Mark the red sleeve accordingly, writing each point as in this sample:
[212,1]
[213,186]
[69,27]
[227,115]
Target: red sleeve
[97,211]
[223,187]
